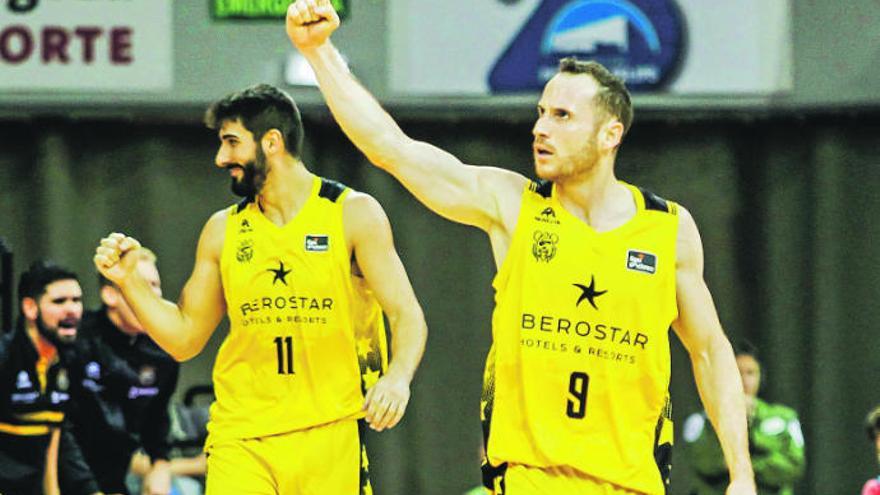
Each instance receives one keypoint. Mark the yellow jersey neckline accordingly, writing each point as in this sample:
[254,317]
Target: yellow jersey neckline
[637,197]
[258,212]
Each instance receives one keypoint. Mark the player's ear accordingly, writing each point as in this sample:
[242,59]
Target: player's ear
[273,142]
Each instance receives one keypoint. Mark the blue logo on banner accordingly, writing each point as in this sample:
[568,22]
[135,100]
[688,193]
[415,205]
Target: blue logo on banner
[640,41]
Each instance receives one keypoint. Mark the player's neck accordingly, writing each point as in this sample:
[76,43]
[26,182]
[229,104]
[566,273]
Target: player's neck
[285,191]
[45,349]
[597,198]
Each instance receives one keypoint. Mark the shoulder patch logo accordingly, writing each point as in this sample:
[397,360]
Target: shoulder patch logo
[641,261]
[317,242]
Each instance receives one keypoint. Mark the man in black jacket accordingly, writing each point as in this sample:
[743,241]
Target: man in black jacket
[35,380]
[124,382]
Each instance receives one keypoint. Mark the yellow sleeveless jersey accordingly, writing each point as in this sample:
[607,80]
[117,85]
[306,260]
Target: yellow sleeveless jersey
[306,335]
[578,374]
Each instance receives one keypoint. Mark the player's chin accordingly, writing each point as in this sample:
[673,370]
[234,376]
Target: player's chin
[546,171]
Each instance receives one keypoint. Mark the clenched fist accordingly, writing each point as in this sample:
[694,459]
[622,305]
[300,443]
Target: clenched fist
[116,257]
[310,23]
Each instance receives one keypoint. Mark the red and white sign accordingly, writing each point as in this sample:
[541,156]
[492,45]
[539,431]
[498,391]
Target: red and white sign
[85,45]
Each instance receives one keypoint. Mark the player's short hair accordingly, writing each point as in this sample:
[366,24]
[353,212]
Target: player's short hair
[746,348]
[39,275]
[613,97]
[144,254]
[872,424]
[260,108]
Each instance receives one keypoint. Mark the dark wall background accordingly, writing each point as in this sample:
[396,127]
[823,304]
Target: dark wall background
[786,206]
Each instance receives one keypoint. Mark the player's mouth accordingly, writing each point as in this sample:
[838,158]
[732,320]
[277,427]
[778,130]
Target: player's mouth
[542,150]
[235,171]
[67,327]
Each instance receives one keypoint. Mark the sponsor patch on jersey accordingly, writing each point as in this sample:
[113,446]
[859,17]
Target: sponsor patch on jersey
[62,381]
[147,375]
[317,242]
[93,370]
[641,261]
[23,381]
[773,425]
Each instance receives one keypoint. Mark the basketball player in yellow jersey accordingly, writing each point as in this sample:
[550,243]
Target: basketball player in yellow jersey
[592,272]
[303,267]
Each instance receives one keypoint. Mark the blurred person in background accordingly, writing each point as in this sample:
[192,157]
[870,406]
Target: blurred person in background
[776,442]
[123,384]
[872,427]
[35,383]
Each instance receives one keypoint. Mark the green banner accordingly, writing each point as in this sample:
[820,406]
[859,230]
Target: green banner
[262,9]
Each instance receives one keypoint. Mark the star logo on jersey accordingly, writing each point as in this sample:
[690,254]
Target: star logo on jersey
[280,273]
[589,293]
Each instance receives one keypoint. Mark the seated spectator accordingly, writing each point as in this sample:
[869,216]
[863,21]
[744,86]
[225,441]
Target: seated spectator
[872,426]
[776,443]
[123,382]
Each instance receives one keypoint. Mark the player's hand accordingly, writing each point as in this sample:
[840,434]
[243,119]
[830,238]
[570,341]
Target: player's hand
[115,257]
[742,486]
[386,402]
[158,480]
[310,23]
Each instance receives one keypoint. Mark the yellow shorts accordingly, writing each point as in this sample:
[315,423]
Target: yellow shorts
[519,479]
[327,459]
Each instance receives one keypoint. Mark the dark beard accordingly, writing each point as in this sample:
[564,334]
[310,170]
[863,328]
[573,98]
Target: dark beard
[254,177]
[53,337]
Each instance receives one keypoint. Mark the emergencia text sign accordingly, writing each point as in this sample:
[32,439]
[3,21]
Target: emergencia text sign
[262,9]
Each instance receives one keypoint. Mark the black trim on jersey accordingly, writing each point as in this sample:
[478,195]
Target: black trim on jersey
[663,452]
[364,478]
[330,189]
[243,204]
[543,187]
[654,202]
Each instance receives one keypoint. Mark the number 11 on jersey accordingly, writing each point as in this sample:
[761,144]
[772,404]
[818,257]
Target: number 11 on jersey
[284,350]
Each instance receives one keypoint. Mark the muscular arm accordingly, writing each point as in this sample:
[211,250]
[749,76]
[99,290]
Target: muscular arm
[369,235]
[484,197]
[181,329]
[711,355]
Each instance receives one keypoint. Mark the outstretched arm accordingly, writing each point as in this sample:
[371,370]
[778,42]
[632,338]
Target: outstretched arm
[181,329]
[369,235]
[715,370]
[480,196]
